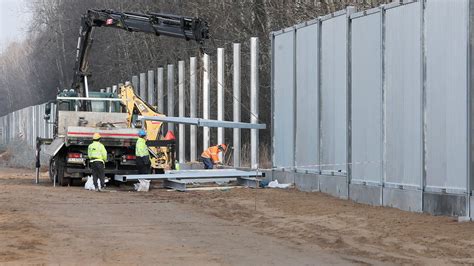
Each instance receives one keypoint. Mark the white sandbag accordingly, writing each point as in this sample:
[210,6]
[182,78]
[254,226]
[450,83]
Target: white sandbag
[142,185]
[275,184]
[89,183]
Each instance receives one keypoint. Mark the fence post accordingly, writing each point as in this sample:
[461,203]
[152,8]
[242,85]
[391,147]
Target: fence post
[205,100]
[151,87]
[193,109]
[170,95]
[160,91]
[220,95]
[182,100]
[236,103]
[142,92]
[135,83]
[254,87]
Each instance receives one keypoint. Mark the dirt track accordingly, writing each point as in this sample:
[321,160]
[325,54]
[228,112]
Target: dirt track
[41,224]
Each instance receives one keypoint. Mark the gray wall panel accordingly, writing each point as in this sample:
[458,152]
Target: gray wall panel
[403,142]
[366,95]
[334,94]
[446,94]
[283,82]
[307,110]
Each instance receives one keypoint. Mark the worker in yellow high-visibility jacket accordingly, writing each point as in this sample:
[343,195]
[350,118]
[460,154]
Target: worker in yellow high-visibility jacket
[210,157]
[142,154]
[97,157]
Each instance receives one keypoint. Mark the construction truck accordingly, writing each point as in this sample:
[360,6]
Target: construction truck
[81,112]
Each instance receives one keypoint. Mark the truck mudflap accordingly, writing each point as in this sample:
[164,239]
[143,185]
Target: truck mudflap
[54,147]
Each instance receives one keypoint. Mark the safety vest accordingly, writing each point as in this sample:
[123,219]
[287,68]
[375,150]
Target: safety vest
[97,152]
[141,149]
[211,153]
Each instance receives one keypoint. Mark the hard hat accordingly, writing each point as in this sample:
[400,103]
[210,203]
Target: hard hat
[223,147]
[141,133]
[96,136]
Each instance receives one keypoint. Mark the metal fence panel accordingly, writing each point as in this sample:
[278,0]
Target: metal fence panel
[403,138]
[283,86]
[446,94]
[334,94]
[307,109]
[366,105]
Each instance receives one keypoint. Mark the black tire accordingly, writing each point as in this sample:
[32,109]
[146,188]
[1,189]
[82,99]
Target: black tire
[56,170]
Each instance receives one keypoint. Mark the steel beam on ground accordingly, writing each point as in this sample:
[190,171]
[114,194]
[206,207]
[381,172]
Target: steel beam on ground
[181,185]
[236,103]
[182,100]
[193,107]
[142,92]
[205,100]
[206,123]
[135,83]
[160,92]
[191,174]
[151,88]
[220,95]
[170,95]
[254,83]
[248,182]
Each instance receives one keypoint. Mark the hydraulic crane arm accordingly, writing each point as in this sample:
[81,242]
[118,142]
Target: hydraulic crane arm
[186,28]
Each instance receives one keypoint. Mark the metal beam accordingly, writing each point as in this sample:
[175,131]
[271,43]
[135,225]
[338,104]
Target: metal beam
[135,83]
[220,96]
[193,107]
[170,80]
[89,99]
[182,100]
[236,104]
[142,86]
[151,88]
[160,102]
[254,91]
[203,122]
[206,87]
[191,174]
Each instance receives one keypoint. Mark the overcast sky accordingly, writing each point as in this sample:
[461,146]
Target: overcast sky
[13,21]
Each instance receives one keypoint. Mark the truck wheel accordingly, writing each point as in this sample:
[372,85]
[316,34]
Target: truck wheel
[56,170]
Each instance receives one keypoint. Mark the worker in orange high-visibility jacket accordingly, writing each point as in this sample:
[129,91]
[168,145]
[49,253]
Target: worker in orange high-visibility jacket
[210,157]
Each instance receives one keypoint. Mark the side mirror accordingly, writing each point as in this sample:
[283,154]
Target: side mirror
[47,112]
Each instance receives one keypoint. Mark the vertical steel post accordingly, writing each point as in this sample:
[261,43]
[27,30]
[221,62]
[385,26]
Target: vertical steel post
[220,96]
[205,100]
[108,89]
[160,92]
[193,107]
[151,88]
[142,91]
[170,95]
[254,87]
[115,88]
[236,103]
[182,100]
[135,83]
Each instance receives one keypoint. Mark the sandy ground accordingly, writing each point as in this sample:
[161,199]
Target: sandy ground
[44,225]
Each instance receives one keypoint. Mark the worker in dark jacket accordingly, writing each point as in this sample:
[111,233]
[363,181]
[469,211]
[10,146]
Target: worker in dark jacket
[97,157]
[210,157]
[142,154]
